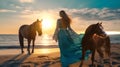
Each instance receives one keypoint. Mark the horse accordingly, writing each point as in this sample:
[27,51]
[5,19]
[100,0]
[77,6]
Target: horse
[94,39]
[29,32]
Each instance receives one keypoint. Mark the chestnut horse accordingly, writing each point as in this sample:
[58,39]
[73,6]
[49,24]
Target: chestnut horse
[94,40]
[29,32]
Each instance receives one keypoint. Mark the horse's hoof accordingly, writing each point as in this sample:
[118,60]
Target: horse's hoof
[100,65]
[80,66]
[22,52]
[92,65]
[32,51]
[29,53]
[110,66]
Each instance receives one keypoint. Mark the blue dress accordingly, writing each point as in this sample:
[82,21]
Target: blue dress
[70,47]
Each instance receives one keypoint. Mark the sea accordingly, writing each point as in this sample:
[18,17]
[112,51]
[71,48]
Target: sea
[45,41]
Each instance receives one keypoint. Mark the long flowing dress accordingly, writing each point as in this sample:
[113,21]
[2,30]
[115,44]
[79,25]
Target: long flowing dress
[70,46]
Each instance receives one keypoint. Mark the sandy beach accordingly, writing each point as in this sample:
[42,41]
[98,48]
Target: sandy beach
[49,57]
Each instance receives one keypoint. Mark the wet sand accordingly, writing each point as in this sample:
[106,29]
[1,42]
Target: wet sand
[48,58]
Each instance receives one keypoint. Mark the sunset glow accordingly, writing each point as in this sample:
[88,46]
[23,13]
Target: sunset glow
[47,23]
[45,39]
[13,14]
[113,32]
[46,51]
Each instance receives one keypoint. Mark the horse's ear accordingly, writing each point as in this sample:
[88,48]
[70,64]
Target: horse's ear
[37,19]
[100,23]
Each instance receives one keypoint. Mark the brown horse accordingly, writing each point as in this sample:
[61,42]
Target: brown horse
[29,32]
[94,39]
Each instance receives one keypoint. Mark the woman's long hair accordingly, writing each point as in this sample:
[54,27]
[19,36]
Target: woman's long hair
[65,17]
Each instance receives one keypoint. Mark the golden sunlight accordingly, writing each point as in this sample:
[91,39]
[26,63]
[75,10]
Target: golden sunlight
[45,39]
[113,32]
[46,51]
[47,23]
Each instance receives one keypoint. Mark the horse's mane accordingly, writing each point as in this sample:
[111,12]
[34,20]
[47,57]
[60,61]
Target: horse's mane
[90,30]
[94,29]
[33,24]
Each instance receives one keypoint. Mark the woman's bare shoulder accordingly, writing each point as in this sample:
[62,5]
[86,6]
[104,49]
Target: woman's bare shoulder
[59,20]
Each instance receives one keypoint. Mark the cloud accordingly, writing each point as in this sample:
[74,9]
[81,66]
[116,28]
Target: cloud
[26,1]
[33,14]
[6,10]
[27,12]
[104,14]
[96,14]
[81,18]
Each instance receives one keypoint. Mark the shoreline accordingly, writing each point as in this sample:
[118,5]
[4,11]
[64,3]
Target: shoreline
[38,46]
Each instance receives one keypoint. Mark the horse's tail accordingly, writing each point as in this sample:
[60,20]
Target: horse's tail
[21,41]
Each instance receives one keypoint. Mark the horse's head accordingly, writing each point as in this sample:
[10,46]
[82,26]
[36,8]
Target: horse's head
[38,26]
[95,29]
[98,29]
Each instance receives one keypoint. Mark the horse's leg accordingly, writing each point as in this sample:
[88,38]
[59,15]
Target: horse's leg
[29,41]
[33,45]
[101,55]
[83,56]
[21,42]
[93,57]
[107,50]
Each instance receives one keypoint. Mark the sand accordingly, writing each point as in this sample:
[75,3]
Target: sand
[48,58]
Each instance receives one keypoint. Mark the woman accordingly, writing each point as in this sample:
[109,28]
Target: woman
[70,50]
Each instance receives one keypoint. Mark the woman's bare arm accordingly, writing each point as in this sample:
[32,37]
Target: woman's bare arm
[55,37]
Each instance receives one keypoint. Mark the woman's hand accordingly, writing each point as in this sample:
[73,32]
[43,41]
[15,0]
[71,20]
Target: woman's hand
[55,37]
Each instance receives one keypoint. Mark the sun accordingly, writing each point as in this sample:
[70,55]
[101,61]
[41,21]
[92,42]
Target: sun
[47,23]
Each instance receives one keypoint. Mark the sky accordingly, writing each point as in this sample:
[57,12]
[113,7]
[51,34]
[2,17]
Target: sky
[14,13]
